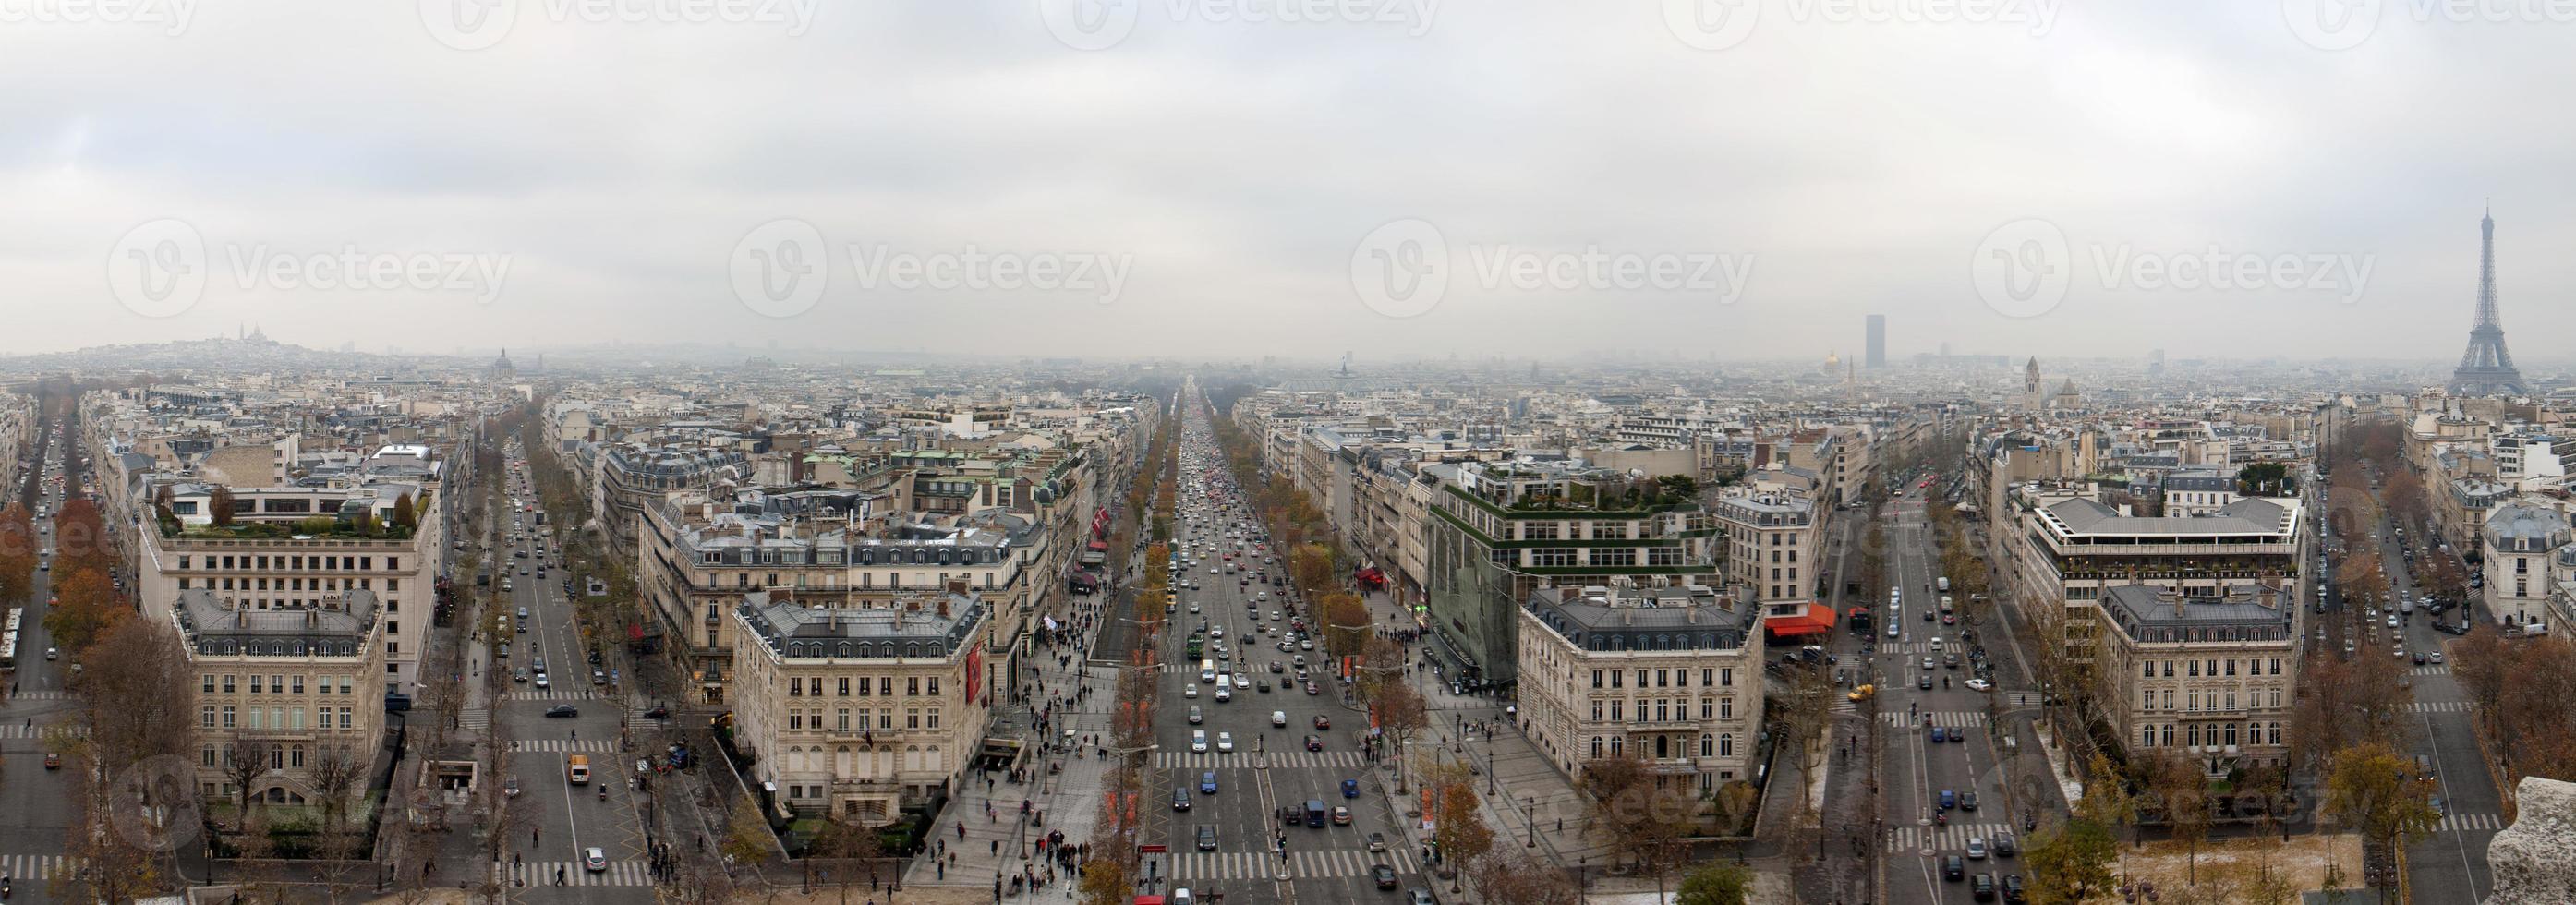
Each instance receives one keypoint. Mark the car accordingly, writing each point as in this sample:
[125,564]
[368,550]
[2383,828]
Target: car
[1949,799]
[1341,816]
[519,676]
[1242,681]
[1216,632]
[598,677]
[1894,631]
[1377,842]
[1954,868]
[2005,846]
[1263,685]
[2436,656]
[544,682]
[52,653]
[594,860]
[2419,658]
[2013,891]
[1279,718]
[53,761]
[1198,741]
[1982,888]
[1927,661]
[1958,736]
[1180,798]
[1350,788]
[1980,685]
[2440,807]
[1923,681]
[658,713]
[1311,689]
[1314,743]
[1207,782]
[1323,722]
[1277,667]
[563,710]
[1863,693]
[1928,614]
[1225,692]
[1384,875]
[1225,741]
[1418,897]
[1190,691]
[1976,849]
[1940,734]
[1207,837]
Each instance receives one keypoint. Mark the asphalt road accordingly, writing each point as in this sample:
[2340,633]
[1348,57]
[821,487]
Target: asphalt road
[559,820]
[1269,766]
[1915,770]
[33,839]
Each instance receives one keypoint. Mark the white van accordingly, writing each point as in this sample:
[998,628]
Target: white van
[1943,583]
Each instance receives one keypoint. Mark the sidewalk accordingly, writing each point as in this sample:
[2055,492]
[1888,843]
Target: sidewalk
[1000,844]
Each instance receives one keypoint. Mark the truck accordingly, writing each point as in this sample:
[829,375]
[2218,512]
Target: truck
[577,769]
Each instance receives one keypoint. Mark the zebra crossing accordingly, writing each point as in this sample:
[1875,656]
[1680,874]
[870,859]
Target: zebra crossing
[25,730]
[1952,718]
[542,873]
[1188,867]
[41,696]
[564,746]
[2461,823]
[1942,838]
[559,693]
[38,867]
[2438,670]
[2439,707]
[1242,759]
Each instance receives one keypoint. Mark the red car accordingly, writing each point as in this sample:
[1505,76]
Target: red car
[1321,722]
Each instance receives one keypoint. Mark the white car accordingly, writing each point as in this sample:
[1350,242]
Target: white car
[1198,741]
[1242,681]
[1225,741]
[1980,685]
[1224,692]
[1190,691]
[1278,717]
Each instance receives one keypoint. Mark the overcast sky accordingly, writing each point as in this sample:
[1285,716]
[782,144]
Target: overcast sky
[1080,177]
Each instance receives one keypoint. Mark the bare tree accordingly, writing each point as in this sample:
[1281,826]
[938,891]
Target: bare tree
[245,761]
[334,775]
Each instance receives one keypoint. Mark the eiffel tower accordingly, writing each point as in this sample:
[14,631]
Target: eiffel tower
[2486,369]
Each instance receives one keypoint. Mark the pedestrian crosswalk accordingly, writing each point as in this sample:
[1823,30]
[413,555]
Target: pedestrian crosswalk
[25,868]
[2461,823]
[1942,838]
[1189,867]
[564,746]
[543,873]
[2439,707]
[1939,718]
[1245,759]
[2440,670]
[41,696]
[557,693]
[27,730]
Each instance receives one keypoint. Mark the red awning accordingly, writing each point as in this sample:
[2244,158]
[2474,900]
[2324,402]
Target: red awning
[1100,545]
[1817,619]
